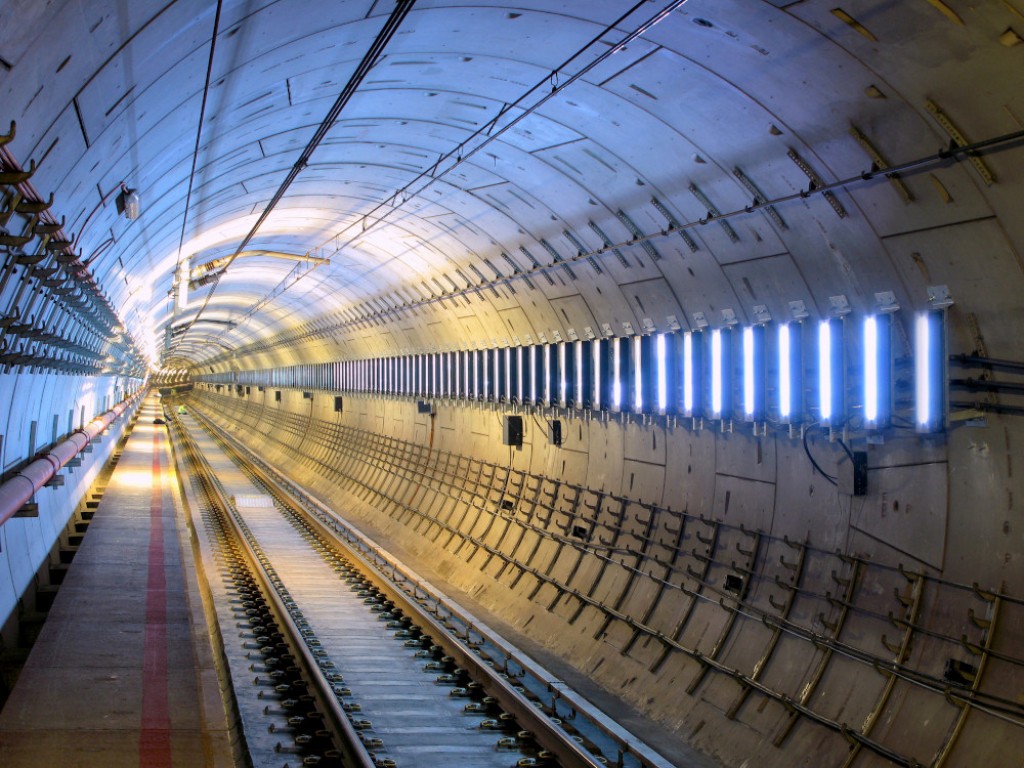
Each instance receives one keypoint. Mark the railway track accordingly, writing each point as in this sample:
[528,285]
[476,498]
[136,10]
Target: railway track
[349,658]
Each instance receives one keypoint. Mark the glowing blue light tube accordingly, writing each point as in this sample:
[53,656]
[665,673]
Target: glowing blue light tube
[719,374]
[550,366]
[831,386]
[564,383]
[638,373]
[877,370]
[785,373]
[661,358]
[930,371]
[922,380]
[617,372]
[825,371]
[754,373]
[531,355]
[688,363]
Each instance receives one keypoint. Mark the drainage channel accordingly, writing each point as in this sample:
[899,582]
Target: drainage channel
[567,727]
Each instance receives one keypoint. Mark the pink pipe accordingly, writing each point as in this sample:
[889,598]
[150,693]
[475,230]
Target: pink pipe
[23,486]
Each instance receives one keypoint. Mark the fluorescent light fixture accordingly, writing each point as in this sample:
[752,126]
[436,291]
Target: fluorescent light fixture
[617,371]
[661,363]
[638,373]
[870,368]
[517,355]
[930,370]
[497,374]
[583,359]
[748,373]
[825,371]
[830,372]
[501,375]
[563,379]
[602,360]
[531,354]
[510,366]
[690,376]
[128,202]
[717,386]
[754,373]
[510,357]
[577,353]
[786,372]
[922,379]
[877,370]
[486,355]
[548,360]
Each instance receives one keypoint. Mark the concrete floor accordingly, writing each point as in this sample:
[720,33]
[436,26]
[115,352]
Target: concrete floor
[122,673]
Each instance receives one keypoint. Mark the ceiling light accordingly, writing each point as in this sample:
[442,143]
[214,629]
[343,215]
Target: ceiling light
[128,203]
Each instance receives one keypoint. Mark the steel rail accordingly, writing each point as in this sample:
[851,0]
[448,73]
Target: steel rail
[379,563]
[347,739]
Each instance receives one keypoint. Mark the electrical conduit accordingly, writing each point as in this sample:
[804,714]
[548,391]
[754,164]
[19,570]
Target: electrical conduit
[23,486]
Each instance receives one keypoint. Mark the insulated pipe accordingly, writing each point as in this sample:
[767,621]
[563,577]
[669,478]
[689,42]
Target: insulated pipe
[23,486]
[201,270]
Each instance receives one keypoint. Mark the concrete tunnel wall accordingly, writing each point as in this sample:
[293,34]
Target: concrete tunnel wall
[767,91]
[57,405]
[431,488]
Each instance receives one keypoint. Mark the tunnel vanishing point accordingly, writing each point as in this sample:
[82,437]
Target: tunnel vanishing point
[683,340]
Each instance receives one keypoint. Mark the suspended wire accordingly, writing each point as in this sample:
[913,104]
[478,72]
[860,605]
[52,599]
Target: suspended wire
[814,463]
[461,154]
[998,143]
[199,131]
[397,16]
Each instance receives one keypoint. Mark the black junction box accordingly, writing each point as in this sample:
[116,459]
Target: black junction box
[512,431]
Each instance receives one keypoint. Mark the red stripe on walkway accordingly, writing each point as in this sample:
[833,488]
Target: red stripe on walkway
[155,737]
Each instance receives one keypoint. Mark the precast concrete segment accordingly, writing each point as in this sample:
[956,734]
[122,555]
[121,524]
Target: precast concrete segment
[112,679]
[418,721]
[20,488]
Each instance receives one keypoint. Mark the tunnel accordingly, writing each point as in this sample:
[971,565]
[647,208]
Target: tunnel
[675,339]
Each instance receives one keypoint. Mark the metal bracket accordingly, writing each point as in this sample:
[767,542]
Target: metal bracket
[28,509]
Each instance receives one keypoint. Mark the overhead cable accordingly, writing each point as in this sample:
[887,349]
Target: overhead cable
[199,129]
[461,153]
[402,8]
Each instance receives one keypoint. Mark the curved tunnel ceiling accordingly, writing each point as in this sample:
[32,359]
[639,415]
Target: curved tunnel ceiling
[419,191]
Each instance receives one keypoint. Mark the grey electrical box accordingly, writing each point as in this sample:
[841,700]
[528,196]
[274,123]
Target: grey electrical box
[512,430]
